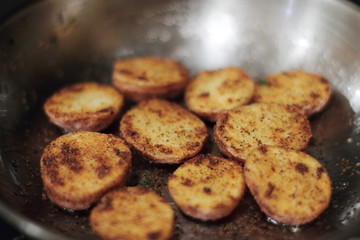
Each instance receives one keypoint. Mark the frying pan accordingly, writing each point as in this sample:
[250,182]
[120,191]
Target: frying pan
[51,44]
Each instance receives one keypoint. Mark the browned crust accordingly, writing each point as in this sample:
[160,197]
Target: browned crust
[218,174]
[227,134]
[284,87]
[84,202]
[60,111]
[232,79]
[133,213]
[219,143]
[78,168]
[168,114]
[137,84]
[289,216]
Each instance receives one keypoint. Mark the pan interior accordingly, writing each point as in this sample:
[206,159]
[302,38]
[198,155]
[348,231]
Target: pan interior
[55,43]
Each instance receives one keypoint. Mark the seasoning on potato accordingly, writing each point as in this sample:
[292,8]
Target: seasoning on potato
[308,91]
[211,93]
[163,131]
[240,130]
[79,167]
[84,107]
[290,186]
[145,78]
[133,213]
[207,187]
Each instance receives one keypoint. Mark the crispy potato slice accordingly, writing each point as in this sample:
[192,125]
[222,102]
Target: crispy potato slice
[211,93]
[149,77]
[240,130]
[309,91]
[85,106]
[162,131]
[79,167]
[133,213]
[289,186]
[207,187]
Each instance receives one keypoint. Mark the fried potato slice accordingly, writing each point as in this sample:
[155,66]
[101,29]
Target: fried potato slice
[133,213]
[289,186]
[240,130]
[211,93]
[162,131]
[85,106]
[207,187]
[309,91]
[149,77]
[79,167]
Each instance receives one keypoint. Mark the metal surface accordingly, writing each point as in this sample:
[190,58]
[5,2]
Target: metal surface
[55,43]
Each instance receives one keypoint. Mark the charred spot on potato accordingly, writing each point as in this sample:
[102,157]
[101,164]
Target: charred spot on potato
[187,182]
[109,109]
[301,168]
[213,161]
[263,149]
[319,172]
[163,149]
[72,163]
[153,235]
[67,149]
[53,175]
[207,190]
[269,190]
[199,160]
[203,95]
[49,162]
[190,146]
[102,171]
[107,204]
[323,80]
[70,157]
[123,155]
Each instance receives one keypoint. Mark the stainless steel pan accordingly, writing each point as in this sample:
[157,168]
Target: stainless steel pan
[51,44]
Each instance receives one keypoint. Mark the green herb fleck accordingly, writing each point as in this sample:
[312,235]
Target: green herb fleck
[143,180]
[262,81]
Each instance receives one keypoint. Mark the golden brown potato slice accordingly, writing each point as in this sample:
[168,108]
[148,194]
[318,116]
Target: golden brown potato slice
[309,91]
[79,167]
[163,131]
[149,77]
[211,93]
[240,130]
[207,187]
[133,213]
[289,186]
[84,106]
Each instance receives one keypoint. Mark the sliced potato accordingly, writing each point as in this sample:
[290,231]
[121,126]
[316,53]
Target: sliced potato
[79,167]
[207,187]
[133,213]
[162,131]
[289,186]
[149,77]
[85,106]
[240,130]
[308,91]
[211,93]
